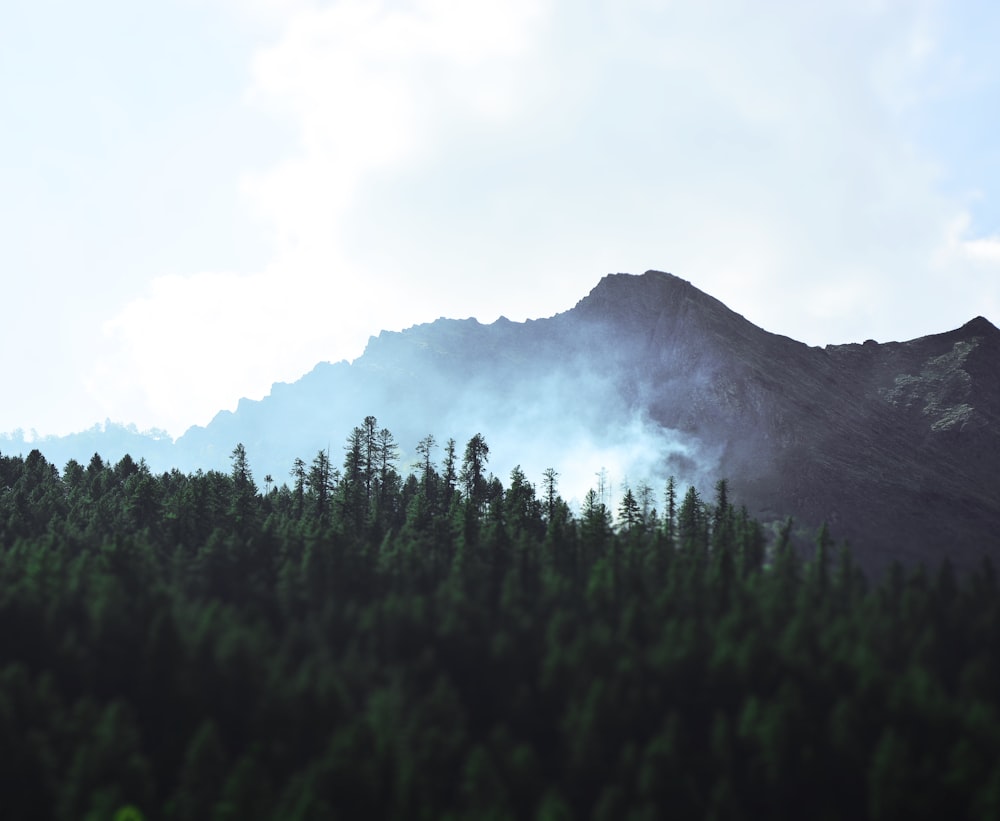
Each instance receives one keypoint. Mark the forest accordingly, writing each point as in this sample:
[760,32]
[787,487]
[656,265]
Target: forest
[365,639]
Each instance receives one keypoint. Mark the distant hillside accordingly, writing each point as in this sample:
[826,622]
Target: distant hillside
[647,377]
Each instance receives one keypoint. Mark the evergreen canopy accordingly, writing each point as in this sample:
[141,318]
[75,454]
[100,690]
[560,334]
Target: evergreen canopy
[362,644]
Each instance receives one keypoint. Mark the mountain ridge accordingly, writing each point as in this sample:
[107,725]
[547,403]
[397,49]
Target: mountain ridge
[893,443]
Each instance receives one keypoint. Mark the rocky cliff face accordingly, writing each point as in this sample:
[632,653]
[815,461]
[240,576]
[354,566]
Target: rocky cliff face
[896,445]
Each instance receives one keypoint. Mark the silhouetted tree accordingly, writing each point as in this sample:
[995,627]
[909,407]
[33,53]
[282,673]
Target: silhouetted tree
[449,472]
[670,522]
[549,484]
[298,474]
[322,482]
[692,527]
[425,447]
[473,476]
[244,487]
[628,512]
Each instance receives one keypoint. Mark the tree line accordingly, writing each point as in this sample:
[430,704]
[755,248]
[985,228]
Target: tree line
[359,640]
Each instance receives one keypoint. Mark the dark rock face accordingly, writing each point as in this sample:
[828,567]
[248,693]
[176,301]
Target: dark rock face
[895,445]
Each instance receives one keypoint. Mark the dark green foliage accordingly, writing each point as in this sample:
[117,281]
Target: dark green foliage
[629,513]
[365,645]
[473,474]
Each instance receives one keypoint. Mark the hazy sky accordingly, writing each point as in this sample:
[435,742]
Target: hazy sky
[199,198]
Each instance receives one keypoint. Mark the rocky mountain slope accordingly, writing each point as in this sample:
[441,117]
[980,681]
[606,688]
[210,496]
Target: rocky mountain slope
[896,445]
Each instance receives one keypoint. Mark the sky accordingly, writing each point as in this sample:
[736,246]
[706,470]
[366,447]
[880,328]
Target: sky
[199,198]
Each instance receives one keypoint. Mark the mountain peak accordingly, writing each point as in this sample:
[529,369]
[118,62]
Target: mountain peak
[980,326]
[621,296]
[669,312]
[623,283]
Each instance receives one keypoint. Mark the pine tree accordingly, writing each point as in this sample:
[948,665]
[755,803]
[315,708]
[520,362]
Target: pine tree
[298,474]
[628,512]
[549,484]
[647,513]
[670,522]
[596,519]
[473,476]
[352,494]
[244,487]
[723,522]
[322,482]
[370,453]
[425,448]
[450,475]
[692,528]
[521,505]
[385,504]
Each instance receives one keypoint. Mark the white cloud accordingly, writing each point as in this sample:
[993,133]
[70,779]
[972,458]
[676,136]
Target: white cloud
[985,250]
[367,85]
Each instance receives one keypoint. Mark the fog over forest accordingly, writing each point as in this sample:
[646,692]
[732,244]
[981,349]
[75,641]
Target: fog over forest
[648,377]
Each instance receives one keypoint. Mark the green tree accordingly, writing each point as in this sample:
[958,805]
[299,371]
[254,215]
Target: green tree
[449,473]
[596,524]
[425,448]
[692,528]
[370,455]
[549,485]
[322,482]
[244,488]
[629,514]
[670,522]
[298,474]
[647,512]
[388,478]
[521,506]
[353,495]
[473,476]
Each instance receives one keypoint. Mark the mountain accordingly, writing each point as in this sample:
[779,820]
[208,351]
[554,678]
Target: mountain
[895,445]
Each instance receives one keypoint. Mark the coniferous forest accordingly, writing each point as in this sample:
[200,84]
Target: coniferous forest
[363,639]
